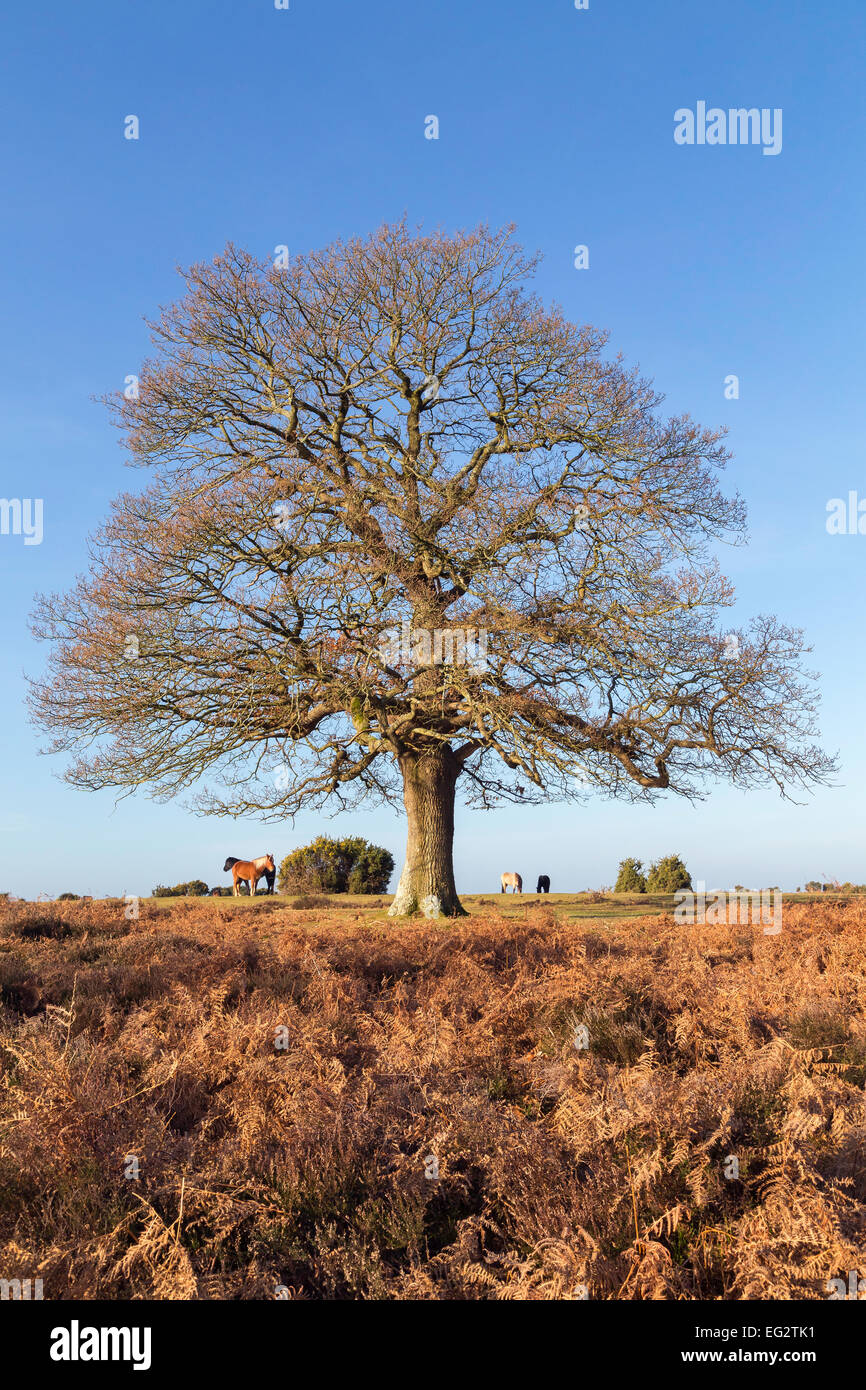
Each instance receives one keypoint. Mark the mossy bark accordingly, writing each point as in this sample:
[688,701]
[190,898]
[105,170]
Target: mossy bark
[426,884]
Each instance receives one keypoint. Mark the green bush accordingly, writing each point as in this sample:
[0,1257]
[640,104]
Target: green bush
[630,879]
[196,888]
[67,897]
[668,875]
[352,865]
[371,870]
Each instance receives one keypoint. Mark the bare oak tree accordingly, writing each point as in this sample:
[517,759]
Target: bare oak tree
[394,434]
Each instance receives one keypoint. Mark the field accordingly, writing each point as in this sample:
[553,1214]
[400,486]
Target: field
[228,1097]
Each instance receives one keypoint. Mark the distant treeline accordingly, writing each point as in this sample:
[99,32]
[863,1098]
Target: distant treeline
[813,886]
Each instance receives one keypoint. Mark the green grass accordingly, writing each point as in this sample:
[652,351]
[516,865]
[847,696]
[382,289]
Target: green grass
[566,907]
[283,899]
[569,907]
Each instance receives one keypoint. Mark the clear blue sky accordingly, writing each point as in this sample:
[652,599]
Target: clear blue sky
[271,127]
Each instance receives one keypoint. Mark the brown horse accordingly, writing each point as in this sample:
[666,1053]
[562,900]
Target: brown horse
[249,871]
[512,881]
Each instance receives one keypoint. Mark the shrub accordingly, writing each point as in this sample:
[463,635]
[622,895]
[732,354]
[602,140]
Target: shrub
[668,875]
[196,888]
[630,879]
[352,865]
[67,897]
[820,1025]
[34,928]
[371,872]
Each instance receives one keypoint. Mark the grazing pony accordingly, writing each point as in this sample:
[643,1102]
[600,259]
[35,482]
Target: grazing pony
[543,884]
[249,871]
[513,881]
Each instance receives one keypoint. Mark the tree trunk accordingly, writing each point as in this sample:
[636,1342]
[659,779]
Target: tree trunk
[427,882]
